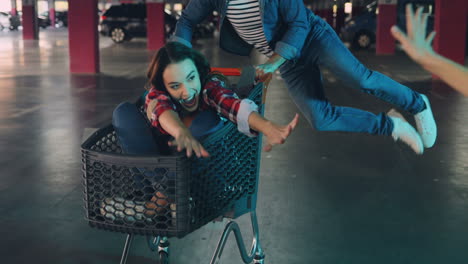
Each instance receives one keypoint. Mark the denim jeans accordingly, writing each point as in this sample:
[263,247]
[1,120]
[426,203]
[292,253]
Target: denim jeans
[133,132]
[305,85]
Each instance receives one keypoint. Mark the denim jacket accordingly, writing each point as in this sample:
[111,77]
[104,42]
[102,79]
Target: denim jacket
[286,24]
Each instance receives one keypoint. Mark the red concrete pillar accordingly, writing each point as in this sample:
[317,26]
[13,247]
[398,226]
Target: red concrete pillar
[385,43]
[52,12]
[340,15]
[83,36]
[30,26]
[450,23]
[14,10]
[155,24]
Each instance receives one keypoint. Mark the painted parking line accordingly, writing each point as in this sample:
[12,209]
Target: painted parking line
[26,111]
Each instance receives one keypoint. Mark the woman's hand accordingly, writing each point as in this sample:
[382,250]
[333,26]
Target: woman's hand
[415,43]
[262,71]
[276,134]
[185,140]
[418,48]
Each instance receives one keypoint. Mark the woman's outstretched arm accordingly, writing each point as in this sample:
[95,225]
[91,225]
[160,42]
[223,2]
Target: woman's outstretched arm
[162,116]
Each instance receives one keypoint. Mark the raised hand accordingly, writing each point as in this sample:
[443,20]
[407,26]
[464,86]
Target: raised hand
[277,134]
[185,140]
[415,43]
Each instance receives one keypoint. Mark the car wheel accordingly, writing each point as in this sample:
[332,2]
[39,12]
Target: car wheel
[118,35]
[363,40]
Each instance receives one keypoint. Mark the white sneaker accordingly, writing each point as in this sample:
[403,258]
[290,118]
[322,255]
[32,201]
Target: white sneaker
[426,125]
[403,131]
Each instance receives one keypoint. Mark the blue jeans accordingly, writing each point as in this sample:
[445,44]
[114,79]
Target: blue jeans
[133,132]
[305,86]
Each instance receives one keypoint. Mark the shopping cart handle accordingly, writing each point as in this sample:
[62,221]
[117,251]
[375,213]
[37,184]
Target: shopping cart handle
[247,78]
[227,71]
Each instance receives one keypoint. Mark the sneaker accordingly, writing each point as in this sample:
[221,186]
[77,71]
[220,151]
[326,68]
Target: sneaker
[425,124]
[403,131]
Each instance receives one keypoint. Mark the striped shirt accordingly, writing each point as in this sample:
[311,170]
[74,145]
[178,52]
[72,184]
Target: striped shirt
[245,17]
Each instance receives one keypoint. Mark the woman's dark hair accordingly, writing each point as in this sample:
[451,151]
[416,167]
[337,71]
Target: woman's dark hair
[174,52]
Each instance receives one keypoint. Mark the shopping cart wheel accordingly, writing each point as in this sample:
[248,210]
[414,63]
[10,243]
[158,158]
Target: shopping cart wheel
[163,251]
[153,242]
[163,258]
[259,259]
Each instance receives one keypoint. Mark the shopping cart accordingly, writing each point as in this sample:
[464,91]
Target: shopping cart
[171,195]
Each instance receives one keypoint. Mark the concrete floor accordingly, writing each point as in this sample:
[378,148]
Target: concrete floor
[323,197]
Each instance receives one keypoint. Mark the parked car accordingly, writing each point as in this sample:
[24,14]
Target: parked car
[125,21]
[43,20]
[361,30]
[4,20]
[15,22]
[61,19]
[9,21]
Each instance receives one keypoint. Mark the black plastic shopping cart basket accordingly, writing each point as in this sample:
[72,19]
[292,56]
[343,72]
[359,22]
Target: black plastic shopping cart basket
[171,195]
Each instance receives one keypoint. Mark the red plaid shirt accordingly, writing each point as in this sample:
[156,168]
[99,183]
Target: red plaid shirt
[214,94]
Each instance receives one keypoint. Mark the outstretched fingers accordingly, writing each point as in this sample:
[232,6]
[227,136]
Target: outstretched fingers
[200,151]
[399,35]
[176,144]
[290,127]
[267,148]
[190,146]
[409,19]
[294,122]
[423,25]
[430,38]
[204,153]
[188,149]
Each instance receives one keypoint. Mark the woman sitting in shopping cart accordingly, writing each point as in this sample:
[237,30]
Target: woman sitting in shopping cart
[181,86]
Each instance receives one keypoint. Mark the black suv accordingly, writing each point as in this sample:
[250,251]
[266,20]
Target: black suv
[61,19]
[122,22]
